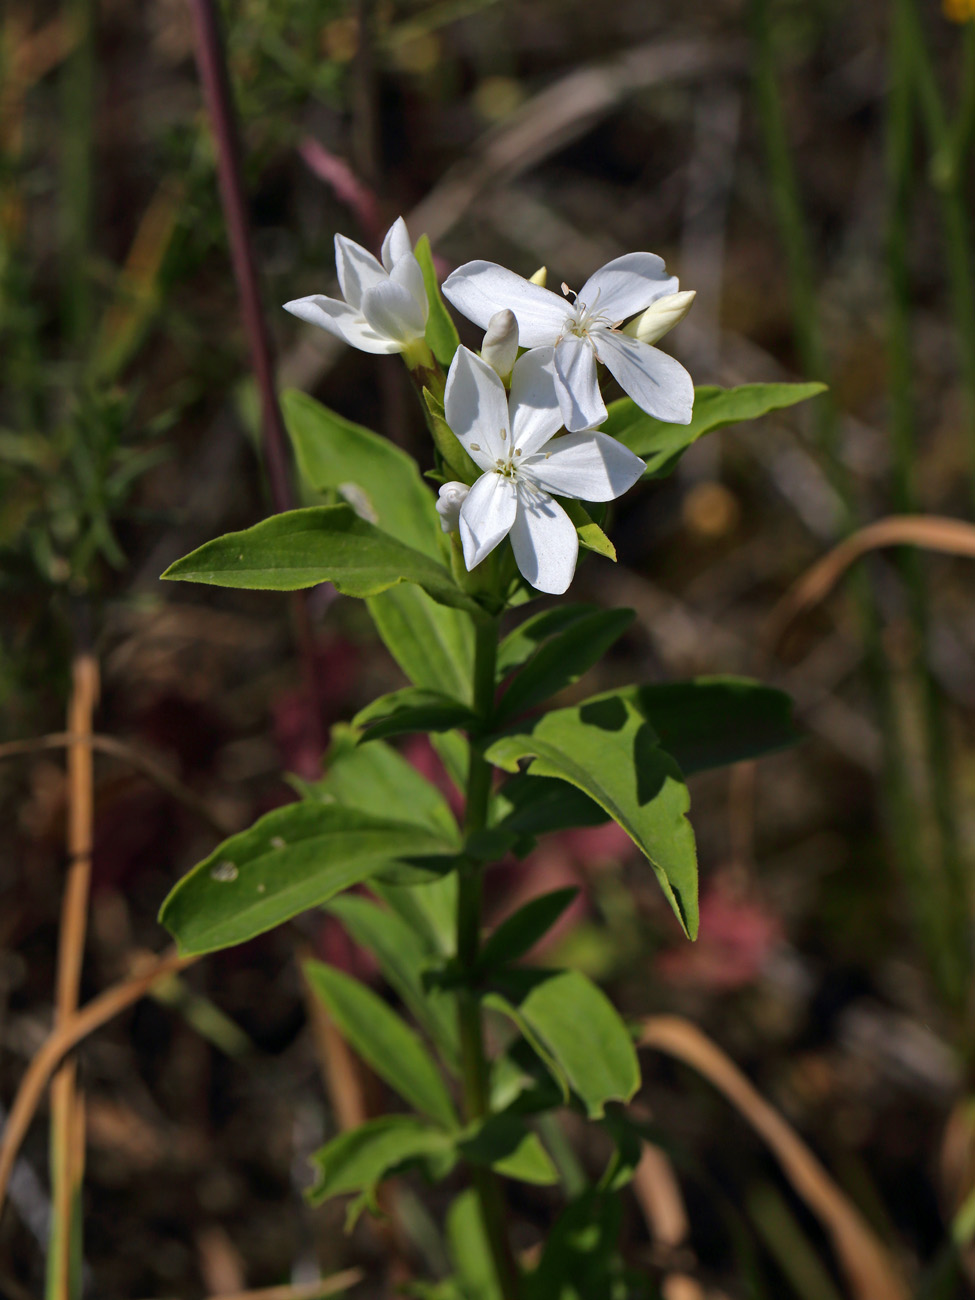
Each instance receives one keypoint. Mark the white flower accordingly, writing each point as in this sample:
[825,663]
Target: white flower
[510,439]
[582,329]
[385,308]
[452,497]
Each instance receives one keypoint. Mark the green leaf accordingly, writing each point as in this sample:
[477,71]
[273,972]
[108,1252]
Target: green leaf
[432,644]
[441,333]
[361,1158]
[608,749]
[537,805]
[580,1030]
[591,536]
[519,933]
[662,445]
[291,859]
[562,660]
[519,646]
[301,548]
[445,440]
[506,1143]
[333,453]
[383,1040]
[713,721]
[411,709]
[580,1260]
[430,910]
[376,779]
[470,1252]
[403,958]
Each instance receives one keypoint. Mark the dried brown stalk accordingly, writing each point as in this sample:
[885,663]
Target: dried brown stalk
[61,1040]
[870,1270]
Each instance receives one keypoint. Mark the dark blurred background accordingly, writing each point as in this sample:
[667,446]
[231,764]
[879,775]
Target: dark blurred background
[806,168]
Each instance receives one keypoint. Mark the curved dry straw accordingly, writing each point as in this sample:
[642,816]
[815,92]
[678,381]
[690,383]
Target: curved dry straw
[867,1264]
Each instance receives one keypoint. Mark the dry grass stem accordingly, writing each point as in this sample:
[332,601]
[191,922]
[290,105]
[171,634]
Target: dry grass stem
[869,1268]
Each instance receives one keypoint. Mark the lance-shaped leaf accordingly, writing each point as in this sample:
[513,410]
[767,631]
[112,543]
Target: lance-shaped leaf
[518,933]
[432,644]
[335,454]
[538,805]
[360,1159]
[662,445]
[519,646]
[578,1028]
[410,710]
[441,333]
[290,860]
[383,1040]
[376,779]
[301,548]
[608,749]
[562,660]
[404,959]
[506,1143]
[714,721]
[591,536]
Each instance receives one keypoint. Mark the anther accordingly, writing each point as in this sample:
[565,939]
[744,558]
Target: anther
[475,446]
[504,435]
[568,292]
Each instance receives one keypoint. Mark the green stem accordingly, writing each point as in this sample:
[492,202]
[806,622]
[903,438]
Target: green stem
[76,173]
[474,1066]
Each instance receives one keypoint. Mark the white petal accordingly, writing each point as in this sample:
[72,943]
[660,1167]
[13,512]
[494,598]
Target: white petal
[588,466]
[392,312]
[575,366]
[544,541]
[479,289]
[397,243]
[357,270]
[476,408]
[534,401]
[657,383]
[407,273]
[626,285]
[486,516]
[341,320]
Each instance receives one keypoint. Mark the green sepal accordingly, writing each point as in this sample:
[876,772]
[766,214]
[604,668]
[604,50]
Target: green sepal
[452,453]
[591,536]
[441,333]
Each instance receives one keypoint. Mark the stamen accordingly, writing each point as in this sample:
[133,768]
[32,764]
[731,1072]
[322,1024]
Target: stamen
[517,451]
[568,292]
[475,446]
[504,435]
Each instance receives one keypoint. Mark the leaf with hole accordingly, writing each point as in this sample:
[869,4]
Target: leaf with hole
[609,750]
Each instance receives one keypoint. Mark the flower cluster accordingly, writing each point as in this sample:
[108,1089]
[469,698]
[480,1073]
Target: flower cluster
[527,410]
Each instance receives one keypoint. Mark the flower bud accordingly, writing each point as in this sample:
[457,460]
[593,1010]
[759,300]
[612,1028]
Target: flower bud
[452,497]
[660,317]
[500,346]
[540,277]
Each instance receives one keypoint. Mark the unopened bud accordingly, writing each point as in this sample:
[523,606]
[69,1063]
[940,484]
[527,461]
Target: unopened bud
[452,497]
[540,277]
[660,317]
[500,346]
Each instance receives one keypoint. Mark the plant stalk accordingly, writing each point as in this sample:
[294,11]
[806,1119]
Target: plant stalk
[474,1066]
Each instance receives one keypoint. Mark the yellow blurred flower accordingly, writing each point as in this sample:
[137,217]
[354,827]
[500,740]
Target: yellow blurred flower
[959,11]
